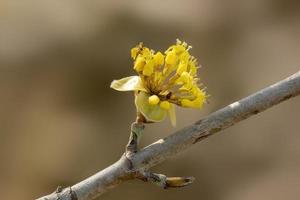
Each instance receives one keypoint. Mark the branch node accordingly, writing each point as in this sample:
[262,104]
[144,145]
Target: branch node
[59,189]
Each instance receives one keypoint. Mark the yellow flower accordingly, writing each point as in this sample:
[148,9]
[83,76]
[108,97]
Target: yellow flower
[163,80]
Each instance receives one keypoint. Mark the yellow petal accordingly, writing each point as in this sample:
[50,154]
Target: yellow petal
[139,64]
[148,68]
[184,78]
[130,83]
[179,49]
[181,68]
[152,112]
[171,57]
[158,58]
[185,56]
[134,52]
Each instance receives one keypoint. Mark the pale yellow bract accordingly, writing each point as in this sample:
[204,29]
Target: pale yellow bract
[163,80]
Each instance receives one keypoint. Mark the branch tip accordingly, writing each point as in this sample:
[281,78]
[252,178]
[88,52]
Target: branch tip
[173,182]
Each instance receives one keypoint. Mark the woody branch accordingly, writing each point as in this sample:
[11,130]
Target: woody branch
[136,164]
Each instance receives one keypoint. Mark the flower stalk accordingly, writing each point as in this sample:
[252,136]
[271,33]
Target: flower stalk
[136,132]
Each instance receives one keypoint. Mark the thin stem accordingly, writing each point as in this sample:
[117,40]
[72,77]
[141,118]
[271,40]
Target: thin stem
[137,129]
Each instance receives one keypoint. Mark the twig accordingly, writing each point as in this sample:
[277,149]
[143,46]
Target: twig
[138,163]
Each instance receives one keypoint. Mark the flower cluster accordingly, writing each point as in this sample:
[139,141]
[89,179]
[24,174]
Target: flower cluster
[163,80]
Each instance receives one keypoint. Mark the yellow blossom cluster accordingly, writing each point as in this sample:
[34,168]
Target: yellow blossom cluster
[164,79]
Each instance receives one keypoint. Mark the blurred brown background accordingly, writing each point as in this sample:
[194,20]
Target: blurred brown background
[60,122]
